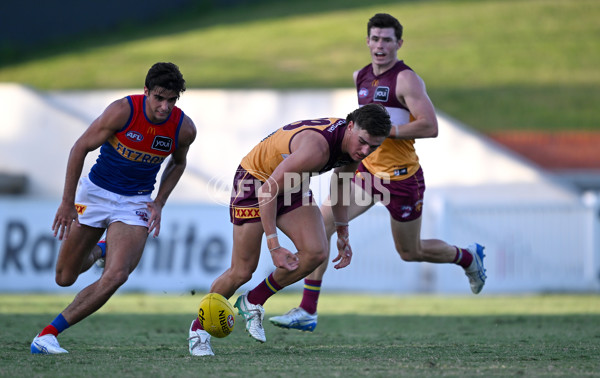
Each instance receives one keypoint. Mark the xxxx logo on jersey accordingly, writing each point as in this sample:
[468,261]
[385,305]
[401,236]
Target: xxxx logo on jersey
[80,208]
[247,212]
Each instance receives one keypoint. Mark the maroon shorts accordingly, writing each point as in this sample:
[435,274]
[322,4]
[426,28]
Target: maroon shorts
[243,206]
[403,199]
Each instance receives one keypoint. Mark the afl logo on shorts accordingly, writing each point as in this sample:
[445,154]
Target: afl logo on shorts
[364,92]
[162,143]
[381,94]
[134,136]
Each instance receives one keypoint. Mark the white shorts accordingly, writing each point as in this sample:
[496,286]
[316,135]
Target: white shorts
[99,207]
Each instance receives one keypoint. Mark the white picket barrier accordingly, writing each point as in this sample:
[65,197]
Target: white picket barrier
[529,249]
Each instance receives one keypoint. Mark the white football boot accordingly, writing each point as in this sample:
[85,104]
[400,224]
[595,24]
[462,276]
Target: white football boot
[199,342]
[476,271]
[296,318]
[47,344]
[253,315]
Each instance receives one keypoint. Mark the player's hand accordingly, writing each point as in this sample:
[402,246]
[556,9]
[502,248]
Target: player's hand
[66,216]
[283,258]
[155,217]
[344,250]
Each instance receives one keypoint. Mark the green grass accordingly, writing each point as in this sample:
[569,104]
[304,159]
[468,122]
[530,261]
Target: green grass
[357,335]
[493,64]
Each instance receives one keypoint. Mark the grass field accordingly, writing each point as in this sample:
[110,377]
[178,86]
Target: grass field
[357,335]
[493,64]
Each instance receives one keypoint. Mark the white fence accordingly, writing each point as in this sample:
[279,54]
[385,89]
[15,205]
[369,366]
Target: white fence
[529,249]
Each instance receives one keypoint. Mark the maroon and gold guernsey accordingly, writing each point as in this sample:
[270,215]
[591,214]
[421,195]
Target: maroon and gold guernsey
[270,152]
[395,158]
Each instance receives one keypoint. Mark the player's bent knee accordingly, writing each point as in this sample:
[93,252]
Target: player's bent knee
[316,258]
[410,257]
[65,280]
[114,279]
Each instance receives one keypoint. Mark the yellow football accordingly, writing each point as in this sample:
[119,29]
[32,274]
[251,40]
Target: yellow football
[216,315]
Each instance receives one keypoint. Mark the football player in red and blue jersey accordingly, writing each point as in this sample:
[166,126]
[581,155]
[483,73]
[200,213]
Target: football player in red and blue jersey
[135,134]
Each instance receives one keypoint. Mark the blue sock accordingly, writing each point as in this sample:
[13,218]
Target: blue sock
[102,245]
[60,323]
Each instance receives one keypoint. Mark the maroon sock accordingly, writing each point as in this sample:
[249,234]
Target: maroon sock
[50,329]
[463,257]
[263,291]
[196,325]
[310,296]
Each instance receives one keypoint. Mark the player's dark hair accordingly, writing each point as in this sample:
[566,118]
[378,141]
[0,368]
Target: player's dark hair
[165,75]
[373,118]
[384,20]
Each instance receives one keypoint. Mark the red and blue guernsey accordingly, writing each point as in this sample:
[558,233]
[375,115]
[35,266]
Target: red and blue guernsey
[130,159]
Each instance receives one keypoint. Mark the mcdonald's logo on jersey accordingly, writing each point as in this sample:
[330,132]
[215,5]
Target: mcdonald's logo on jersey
[151,130]
[375,83]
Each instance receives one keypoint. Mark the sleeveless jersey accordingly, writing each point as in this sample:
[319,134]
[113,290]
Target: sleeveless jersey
[270,152]
[130,159]
[395,158]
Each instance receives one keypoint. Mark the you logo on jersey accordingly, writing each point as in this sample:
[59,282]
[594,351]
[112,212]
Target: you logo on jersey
[381,94]
[162,143]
